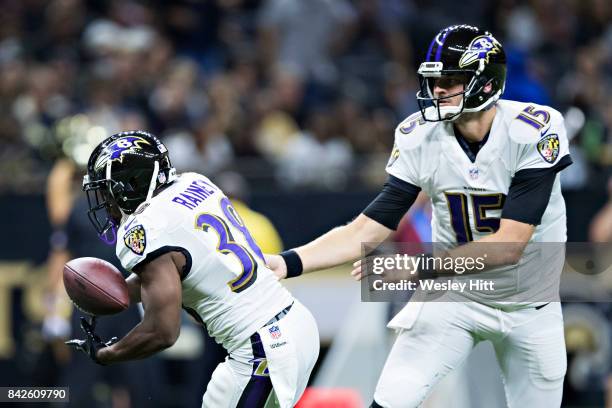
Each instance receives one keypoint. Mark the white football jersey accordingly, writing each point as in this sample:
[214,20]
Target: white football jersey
[226,284]
[468,197]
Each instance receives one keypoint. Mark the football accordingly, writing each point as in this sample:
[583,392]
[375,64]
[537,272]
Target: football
[95,286]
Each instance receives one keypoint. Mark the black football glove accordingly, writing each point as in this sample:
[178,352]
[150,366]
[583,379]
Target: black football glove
[92,342]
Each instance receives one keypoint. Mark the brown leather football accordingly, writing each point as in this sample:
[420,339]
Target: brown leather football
[96,286]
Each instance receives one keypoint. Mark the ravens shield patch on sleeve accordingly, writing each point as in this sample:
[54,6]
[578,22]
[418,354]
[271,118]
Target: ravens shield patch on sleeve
[548,147]
[136,239]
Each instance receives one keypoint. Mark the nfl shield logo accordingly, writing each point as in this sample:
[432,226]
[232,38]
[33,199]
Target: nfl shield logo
[275,332]
[473,173]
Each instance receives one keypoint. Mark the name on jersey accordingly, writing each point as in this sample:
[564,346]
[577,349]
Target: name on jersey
[196,193]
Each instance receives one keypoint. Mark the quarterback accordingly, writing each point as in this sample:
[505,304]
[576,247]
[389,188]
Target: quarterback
[490,167]
[188,248]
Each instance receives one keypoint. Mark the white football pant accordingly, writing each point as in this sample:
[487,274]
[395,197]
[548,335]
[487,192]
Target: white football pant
[529,345]
[269,369]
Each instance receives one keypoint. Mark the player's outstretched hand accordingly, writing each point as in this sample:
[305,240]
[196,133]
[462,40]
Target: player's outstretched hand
[92,342]
[357,272]
[362,268]
[277,264]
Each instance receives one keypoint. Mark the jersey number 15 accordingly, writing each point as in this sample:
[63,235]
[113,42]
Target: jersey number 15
[460,217]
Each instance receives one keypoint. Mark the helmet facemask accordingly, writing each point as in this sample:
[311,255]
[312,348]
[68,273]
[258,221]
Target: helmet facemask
[103,213]
[430,105]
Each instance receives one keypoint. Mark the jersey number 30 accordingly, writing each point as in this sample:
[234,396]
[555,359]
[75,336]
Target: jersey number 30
[460,217]
[227,244]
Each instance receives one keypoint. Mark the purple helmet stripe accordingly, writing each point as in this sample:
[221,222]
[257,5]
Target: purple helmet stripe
[427,56]
[442,40]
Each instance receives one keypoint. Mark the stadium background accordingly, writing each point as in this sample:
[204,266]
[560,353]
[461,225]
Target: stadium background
[290,105]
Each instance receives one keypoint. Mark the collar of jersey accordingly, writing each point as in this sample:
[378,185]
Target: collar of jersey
[468,146]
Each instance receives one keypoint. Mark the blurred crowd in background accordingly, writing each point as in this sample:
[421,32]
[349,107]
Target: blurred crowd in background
[292,94]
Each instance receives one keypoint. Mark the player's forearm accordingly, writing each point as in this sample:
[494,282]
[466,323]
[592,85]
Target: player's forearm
[492,251]
[160,290]
[340,245]
[143,341]
[331,249]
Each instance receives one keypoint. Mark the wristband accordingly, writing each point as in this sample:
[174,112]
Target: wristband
[293,262]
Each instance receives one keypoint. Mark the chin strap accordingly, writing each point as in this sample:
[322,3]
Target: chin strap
[109,235]
[444,113]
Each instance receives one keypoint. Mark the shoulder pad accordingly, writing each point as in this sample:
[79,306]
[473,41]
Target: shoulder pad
[153,214]
[530,121]
[412,131]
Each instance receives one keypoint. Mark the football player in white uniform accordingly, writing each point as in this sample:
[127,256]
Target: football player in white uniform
[490,167]
[188,248]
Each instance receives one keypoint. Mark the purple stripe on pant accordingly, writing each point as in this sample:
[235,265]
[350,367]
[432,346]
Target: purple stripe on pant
[258,389]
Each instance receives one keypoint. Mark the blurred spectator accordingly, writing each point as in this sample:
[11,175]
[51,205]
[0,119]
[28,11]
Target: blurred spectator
[20,172]
[601,225]
[239,66]
[400,87]
[42,103]
[521,26]
[205,150]
[275,131]
[316,157]
[576,176]
[588,337]
[521,84]
[303,36]
[176,102]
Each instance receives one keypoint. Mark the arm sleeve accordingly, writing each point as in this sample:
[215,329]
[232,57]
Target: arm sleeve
[529,192]
[391,204]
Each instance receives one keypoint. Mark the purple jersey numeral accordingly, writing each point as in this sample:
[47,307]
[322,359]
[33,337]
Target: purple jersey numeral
[412,124]
[536,118]
[480,204]
[460,221]
[232,215]
[460,218]
[227,245]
